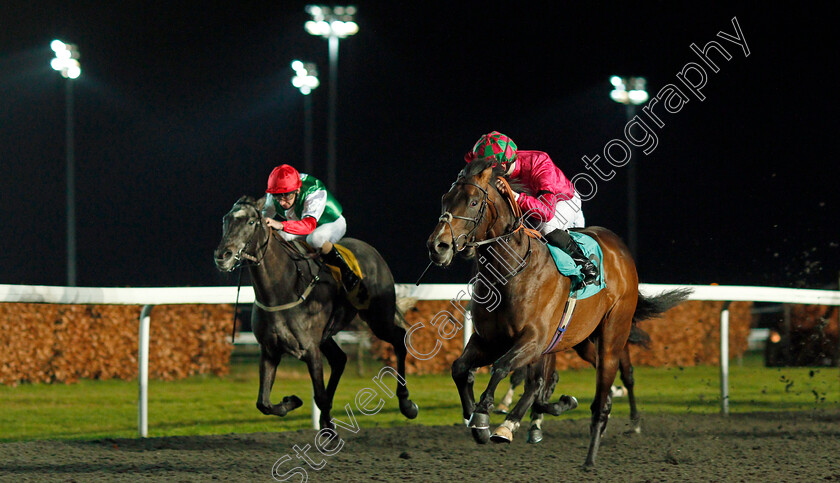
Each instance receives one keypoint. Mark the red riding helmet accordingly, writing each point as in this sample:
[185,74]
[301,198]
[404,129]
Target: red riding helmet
[283,179]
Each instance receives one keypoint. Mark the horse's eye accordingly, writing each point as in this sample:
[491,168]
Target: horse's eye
[251,222]
[473,203]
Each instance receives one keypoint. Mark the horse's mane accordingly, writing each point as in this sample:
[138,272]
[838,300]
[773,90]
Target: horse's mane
[478,166]
[250,200]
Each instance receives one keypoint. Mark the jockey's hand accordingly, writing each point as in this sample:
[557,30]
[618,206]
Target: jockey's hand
[272,223]
[503,188]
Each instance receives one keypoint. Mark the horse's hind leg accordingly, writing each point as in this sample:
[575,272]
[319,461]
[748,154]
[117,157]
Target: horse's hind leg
[515,379]
[534,383]
[627,378]
[538,409]
[337,360]
[615,327]
[586,350]
[384,327]
[268,369]
[323,399]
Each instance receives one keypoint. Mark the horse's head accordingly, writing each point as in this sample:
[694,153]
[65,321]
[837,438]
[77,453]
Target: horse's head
[242,232]
[468,213]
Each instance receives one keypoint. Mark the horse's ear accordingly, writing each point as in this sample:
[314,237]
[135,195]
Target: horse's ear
[261,202]
[487,174]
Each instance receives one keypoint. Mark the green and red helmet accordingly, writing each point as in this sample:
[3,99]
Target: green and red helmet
[283,179]
[493,145]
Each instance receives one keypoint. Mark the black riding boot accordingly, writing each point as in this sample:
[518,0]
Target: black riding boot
[562,240]
[348,277]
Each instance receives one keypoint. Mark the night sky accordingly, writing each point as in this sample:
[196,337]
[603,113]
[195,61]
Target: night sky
[183,107]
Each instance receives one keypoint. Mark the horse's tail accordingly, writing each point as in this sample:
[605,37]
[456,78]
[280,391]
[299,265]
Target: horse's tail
[638,337]
[650,307]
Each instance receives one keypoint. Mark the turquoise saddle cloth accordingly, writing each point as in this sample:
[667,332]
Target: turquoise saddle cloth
[569,268]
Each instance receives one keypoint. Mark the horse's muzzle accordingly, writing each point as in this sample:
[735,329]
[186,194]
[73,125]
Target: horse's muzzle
[440,252]
[225,261]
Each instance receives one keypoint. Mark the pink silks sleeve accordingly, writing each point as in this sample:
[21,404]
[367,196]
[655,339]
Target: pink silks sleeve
[549,185]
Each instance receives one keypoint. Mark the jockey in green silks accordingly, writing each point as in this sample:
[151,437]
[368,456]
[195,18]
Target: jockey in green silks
[306,210]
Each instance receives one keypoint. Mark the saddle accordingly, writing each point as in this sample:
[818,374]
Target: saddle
[358,296]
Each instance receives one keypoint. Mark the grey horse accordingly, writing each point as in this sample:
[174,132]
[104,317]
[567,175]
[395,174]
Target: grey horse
[300,307]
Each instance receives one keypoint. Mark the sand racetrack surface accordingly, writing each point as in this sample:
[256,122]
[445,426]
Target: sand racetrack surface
[803,446]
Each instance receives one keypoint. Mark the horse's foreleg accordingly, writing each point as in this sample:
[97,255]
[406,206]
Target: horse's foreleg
[524,350]
[463,372]
[268,369]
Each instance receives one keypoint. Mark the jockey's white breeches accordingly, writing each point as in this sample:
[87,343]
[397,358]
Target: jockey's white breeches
[328,232]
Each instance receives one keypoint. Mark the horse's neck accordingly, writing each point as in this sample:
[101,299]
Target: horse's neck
[275,276]
[500,260]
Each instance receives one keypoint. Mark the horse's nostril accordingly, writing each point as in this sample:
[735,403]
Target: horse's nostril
[442,247]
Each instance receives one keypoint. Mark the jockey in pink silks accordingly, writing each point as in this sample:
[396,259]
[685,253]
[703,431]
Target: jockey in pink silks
[554,207]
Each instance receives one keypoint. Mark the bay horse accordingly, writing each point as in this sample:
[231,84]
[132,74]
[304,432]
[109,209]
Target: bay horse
[515,319]
[300,307]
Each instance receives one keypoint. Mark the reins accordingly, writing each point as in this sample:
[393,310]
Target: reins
[516,211]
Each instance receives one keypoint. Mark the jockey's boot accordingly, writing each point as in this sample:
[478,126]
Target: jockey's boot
[349,279]
[562,240]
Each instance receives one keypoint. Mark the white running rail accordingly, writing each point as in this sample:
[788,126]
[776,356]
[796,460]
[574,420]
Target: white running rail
[148,297]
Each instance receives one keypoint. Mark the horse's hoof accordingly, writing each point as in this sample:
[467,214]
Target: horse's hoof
[479,421]
[292,402]
[568,403]
[535,435]
[481,436]
[408,408]
[502,435]
[480,427]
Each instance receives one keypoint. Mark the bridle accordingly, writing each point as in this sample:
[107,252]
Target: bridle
[242,254]
[257,258]
[486,203]
[447,217]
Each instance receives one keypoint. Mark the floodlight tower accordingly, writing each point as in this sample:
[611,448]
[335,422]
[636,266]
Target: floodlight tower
[306,79]
[630,92]
[332,23]
[66,62]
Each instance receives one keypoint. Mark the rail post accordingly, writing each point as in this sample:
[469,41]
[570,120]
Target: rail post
[143,372]
[724,359]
